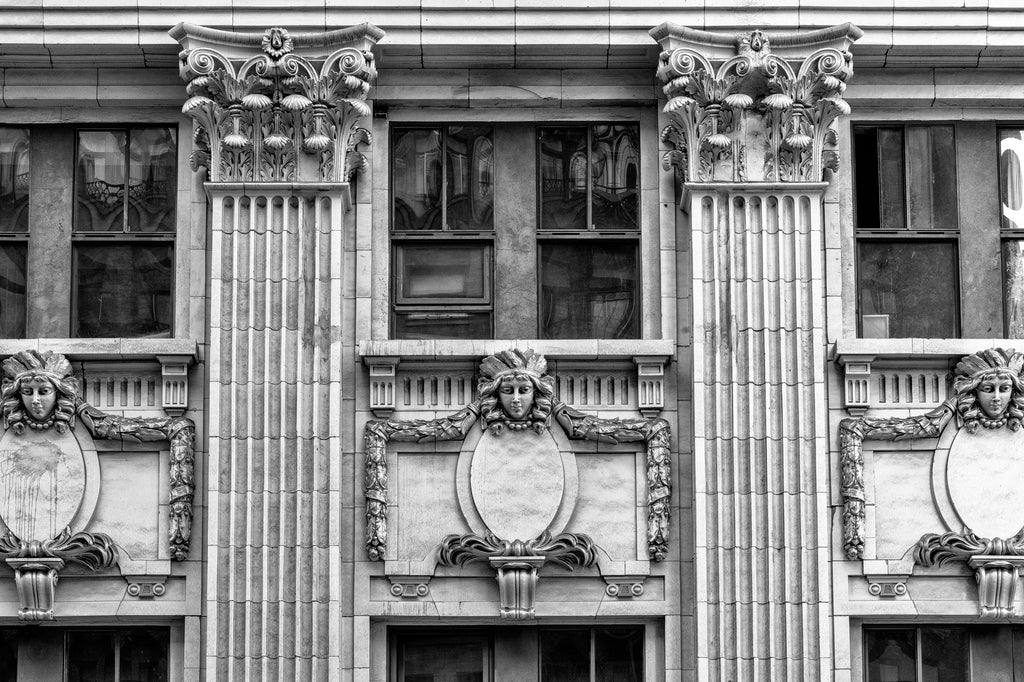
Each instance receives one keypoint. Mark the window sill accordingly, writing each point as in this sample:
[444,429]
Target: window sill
[916,348]
[107,348]
[553,349]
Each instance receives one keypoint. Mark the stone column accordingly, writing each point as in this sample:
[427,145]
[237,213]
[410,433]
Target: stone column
[277,131]
[751,138]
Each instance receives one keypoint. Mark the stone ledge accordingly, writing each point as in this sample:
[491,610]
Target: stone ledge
[915,348]
[553,349]
[107,349]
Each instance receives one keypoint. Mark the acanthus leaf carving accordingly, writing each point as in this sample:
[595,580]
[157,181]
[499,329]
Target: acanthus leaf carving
[795,100]
[255,114]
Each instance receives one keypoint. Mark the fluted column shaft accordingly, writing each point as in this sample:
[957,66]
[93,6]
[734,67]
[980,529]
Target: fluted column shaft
[761,488]
[273,602]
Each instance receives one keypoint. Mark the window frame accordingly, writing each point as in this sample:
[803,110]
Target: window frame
[904,234]
[592,233]
[1006,234]
[124,237]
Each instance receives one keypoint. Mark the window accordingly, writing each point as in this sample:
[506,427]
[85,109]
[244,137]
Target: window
[1011,191]
[907,231]
[135,655]
[14,186]
[448,657]
[124,224]
[442,222]
[592,655]
[589,232]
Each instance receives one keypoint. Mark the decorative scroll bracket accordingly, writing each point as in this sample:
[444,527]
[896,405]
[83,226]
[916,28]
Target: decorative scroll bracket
[998,583]
[650,384]
[410,586]
[174,373]
[887,586]
[625,586]
[383,389]
[517,585]
[36,581]
[857,384]
[786,88]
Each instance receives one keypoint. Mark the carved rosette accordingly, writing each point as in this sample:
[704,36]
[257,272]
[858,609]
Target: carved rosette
[263,103]
[733,99]
[997,561]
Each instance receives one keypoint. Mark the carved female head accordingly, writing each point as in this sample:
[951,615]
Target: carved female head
[989,390]
[515,391]
[38,391]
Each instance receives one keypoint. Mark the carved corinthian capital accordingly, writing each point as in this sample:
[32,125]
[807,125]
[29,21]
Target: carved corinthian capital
[753,107]
[275,107]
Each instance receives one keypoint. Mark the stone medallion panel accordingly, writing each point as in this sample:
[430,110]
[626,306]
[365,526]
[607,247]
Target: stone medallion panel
[983,474]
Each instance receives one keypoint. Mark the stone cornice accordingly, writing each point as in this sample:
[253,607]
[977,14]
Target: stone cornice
[273,107]
[743,109]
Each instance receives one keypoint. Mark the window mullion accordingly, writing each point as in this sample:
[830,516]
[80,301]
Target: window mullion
[593,654]
[127,178]
[444,179]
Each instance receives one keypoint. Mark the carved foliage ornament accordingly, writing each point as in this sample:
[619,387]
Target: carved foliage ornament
[256,117]
[39,392]
[791,101]
[988,393]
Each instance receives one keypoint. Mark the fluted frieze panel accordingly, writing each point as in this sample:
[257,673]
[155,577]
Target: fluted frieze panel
[760,452]
[274,382]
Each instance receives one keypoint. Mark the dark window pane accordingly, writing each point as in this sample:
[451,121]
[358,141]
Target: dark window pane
[619,655]
[615,169]
[14,175]
[589,290]
[12,290]
[9,655]
[152,183]
[865,155]
[144,655]
[442,324]
[417,178]
[443,660]
[90,657]
[123,290]
[891,193]
[469,154]
[931,162]
[563,178]
[891,655]
[908,288]
[565,655]
[99,205]
[1018,653]
[437,273]
[944,655]
[1013,287]
[1011,178]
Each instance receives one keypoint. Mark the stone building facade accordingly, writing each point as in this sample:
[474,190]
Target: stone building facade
[511,342]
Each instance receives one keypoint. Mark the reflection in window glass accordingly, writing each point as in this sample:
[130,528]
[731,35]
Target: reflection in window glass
[12,290]
[469,155]
[416,178]
[589,290]
[122,169]
[618,655]
[135,655]
[1011,178]
[591,655]
[1013,287]
[436,659]
[615,165]
[931,175]
[908,289]
[944,655]
[443,272]
[123,290]
[891,655]
[14,179]
[563,178]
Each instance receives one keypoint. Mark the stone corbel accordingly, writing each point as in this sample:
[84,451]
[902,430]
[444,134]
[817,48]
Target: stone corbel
[278,107]
[857,384]
[36,582]
[753,108]
[650,384]
[174,373]
[383,385]
[887,586]
[517,585]
[998,583]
